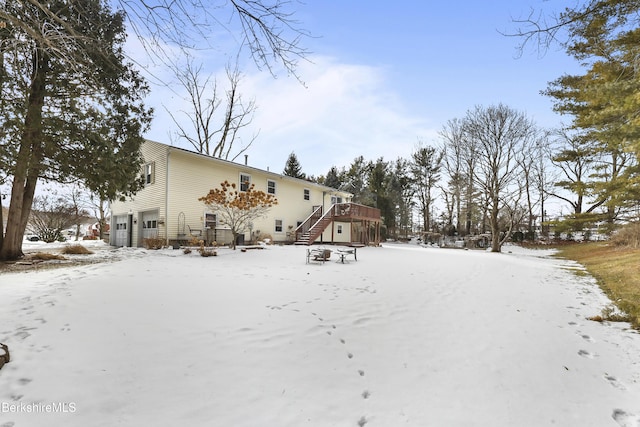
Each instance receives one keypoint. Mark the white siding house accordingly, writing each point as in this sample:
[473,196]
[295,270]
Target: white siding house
[168,206]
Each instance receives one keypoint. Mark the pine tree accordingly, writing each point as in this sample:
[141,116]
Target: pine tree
[62,120]
[293,168]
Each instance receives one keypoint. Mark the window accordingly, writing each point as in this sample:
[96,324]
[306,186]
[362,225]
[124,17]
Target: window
[149,173]
[336,199]
[150,223]
[245,181]
[278,226]
[210,220]
[271,187]
[339,229]
[307,194]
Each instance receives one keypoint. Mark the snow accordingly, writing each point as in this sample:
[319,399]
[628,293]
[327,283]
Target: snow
[406,335]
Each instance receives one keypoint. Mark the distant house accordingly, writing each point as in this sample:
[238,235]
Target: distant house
[168,207]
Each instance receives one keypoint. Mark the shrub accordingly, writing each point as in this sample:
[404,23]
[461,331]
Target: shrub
[208,251]
[76,250]
[186,251]
[628,236]
[205,252]
[154,243]
[611,314]
[262,237]
[195,241]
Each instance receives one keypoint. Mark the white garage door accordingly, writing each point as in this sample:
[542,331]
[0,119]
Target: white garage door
[121,232]
[150,225]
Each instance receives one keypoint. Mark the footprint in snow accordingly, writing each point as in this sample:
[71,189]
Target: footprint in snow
[587,338]
[614,382]
[585,353]
[625,419]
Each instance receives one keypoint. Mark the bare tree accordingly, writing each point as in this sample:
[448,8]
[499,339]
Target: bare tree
[214,131]
[267,28]
[453,136]
[532,164]
[500,134]
[49,217]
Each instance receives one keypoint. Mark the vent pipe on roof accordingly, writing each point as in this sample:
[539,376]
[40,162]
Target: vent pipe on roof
[246,159]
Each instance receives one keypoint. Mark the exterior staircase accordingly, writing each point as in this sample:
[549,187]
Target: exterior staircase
[318,221]
[309,236]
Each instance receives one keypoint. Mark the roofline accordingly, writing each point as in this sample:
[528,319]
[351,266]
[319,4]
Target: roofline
[241,165]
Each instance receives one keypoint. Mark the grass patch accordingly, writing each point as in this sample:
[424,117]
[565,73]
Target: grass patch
[617,270]
[76,250]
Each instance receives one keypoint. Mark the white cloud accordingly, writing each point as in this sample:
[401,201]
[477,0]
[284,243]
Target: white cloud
[341,112]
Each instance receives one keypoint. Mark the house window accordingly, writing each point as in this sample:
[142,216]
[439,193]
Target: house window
[245,181]
[271,187]
[336,199]
[210,220]
[278,226]
[307,194]
[339,229]
[149,173]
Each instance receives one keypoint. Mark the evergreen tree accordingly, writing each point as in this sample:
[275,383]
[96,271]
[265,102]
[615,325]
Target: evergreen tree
[334,178]
[62,119]
[293,168]
[425,168]
[603,35]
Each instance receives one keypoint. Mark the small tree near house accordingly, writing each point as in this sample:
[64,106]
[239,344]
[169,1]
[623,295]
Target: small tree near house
[237,209]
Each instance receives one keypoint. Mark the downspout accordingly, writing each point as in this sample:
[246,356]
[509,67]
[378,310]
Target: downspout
[324,194]
[166,199]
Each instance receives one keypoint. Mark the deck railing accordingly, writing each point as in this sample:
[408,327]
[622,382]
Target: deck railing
[338,211]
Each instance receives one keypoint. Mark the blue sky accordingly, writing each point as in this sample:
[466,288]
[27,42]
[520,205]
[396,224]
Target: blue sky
[382,76]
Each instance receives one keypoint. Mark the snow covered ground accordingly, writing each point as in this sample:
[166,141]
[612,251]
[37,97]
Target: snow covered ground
[405,336]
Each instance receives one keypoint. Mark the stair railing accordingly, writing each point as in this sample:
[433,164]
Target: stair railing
[303,228]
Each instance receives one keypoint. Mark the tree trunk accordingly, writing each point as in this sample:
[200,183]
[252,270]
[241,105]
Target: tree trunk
[28,163]
[495,228]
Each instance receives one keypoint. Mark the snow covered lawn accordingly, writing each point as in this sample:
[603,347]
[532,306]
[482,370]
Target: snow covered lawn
[404,336]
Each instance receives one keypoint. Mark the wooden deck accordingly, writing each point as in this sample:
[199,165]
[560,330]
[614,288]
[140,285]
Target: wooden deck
[318,221]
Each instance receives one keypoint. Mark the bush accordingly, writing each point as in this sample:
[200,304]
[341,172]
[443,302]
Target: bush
[611,314]
[76,250]
[205,252]
[195,241]
[628,236]
[154,243]
[262,237]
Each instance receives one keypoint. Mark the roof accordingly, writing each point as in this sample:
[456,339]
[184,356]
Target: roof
[245,166]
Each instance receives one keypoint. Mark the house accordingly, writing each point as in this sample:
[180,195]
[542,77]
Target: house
[168,208]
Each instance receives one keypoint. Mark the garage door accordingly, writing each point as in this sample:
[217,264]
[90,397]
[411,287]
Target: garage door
[121,232]
[150,225]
